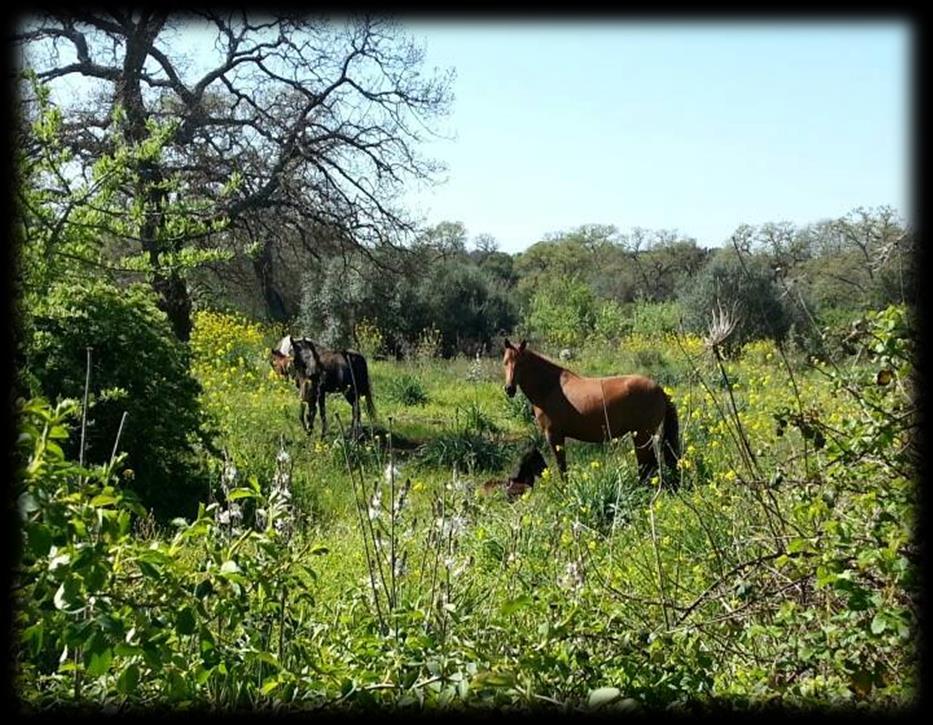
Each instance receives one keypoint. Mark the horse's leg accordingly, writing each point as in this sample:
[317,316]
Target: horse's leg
[320,402]
[307,421]
[645,454]
[556,441]
[354,400]
[301,416]
[309,407]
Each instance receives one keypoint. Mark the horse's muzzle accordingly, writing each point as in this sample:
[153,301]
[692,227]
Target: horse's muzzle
[510,390]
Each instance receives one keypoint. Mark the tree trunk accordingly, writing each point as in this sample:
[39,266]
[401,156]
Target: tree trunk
[275,304]
[170,287]
[175,302]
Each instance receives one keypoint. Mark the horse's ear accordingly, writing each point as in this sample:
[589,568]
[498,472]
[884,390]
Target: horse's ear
[521,345]
[508,344]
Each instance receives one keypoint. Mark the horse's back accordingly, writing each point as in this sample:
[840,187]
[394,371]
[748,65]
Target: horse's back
[626,402]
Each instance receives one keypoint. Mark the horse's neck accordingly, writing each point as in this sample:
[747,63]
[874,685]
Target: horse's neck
[543,377]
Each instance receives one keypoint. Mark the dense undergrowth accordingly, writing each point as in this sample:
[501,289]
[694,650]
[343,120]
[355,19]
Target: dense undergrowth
[354,573]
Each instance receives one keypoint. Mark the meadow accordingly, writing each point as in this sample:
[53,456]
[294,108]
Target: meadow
[776,565]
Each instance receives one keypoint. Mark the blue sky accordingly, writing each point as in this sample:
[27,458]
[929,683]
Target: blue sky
[694,127]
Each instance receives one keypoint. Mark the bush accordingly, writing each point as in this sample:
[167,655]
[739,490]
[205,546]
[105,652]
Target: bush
[654,318]
[137,366]
[610,322]
[564,312]
[749,291]
[466,449]
[603,495]
[407,390]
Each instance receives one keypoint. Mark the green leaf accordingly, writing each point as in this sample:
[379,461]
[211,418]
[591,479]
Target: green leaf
[513,605]
[239,493]
[128,680]
[149,570]
[99,662]
[494,679]
[268,659]
[104,499]
[123,649]
[603,696]
[40,539]
[185,622]
[878,624]
[229,567]
[798,546]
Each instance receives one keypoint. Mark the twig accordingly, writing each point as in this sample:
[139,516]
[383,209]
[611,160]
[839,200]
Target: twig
[116,442]
[87,385]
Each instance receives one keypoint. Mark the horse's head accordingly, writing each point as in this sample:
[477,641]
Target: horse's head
[510,361]
[307,360]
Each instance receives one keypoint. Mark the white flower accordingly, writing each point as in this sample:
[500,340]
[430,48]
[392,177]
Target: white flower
[230,473]
[454,525]
[572,577]
[391,473]
[375,505]
[400,502]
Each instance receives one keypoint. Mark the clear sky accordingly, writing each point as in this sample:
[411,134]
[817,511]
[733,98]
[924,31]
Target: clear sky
[694,127]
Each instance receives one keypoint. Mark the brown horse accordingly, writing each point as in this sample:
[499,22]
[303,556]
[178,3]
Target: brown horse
[567,405]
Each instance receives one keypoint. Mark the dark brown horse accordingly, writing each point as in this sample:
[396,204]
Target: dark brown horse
[530,466]
[318,371]
[567,405]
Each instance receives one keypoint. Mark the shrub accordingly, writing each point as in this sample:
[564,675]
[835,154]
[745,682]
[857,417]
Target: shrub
[606,492]
[406,389]
[610,321]
[749,290]
[137,366]
[465,449]
[563,311]
[655,318]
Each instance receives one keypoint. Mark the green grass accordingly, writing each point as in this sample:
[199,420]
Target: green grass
[745,585]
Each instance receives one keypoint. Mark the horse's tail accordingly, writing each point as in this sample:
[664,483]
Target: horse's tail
[365,387]
[671,436]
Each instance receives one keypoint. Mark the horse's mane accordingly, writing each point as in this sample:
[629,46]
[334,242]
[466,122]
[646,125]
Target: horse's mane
[548,363]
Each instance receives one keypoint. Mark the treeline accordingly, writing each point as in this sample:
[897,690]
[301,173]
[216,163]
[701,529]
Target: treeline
[590,283]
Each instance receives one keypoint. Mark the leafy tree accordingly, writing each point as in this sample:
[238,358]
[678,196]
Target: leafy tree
[564,311]
[426,290]
[743,287]
[293,121]
[468,309]
[579,252]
